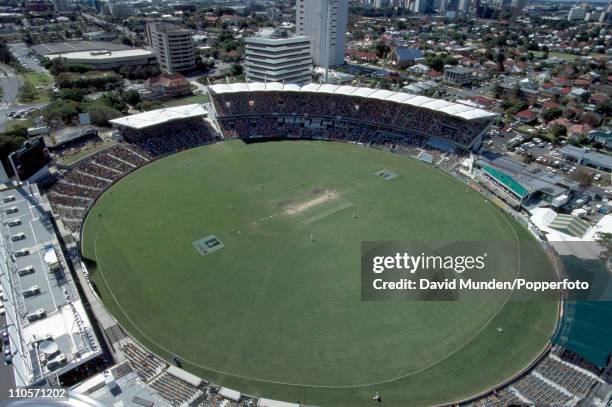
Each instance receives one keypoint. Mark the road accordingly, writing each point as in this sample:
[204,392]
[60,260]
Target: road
[7,376]
[123,30]
[20,51]
[9,82]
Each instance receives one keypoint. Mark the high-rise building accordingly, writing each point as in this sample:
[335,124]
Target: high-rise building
[464,6]
[419,6]
[61,6]
[96,5]
[517,6]
[120,8]
[324,22]
[576,13]
[173,47]
[269,58]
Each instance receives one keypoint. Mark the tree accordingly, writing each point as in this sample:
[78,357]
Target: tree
[147,105]
[382,49]
[517,107]
[604,240]
[604,107]
[100,114]
[435,62]
[27,93]
[584,178]
[237,69]
[75,94]
[56,66]
[10,141]
[558,131]
[132,97]
[114,100]
[551,114]
[592,119]
[498,91]
[64,111]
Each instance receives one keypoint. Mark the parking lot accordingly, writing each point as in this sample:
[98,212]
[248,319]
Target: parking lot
[26,57]
[544,155]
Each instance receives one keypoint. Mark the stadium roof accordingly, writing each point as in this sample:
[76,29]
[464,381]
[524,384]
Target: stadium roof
[507,180]
[452,109]
[160,116]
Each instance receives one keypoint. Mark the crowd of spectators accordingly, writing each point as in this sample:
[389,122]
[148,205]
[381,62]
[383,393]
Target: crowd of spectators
[392,115]
[317,129]
[77,189]
[171,137]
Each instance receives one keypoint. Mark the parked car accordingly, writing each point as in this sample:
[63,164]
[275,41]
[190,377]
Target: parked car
[8,355]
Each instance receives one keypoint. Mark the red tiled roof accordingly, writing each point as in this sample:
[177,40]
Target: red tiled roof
[582,83]
[562,121]
[166,80]
[526,114]
[550,104]
[599,97]
[482,100]
[580,129]
[361,54]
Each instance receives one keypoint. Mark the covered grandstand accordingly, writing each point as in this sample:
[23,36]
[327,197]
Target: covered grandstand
[160,116]
[293,110]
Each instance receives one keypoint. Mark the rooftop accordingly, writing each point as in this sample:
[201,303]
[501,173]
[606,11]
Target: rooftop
[76,46]
[588,154]
[104,54]
[160,116]
[54,331]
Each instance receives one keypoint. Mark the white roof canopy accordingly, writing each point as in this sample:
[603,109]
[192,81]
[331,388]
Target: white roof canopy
[160,116]
[458,110]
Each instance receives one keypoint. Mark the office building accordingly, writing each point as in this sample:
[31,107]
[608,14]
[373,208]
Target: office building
[324,22]
[270,58]
[458,76]
[173,47]
[576,13]
[61,6]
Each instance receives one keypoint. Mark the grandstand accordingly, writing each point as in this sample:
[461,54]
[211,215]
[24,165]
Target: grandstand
[328,110]
[150,135]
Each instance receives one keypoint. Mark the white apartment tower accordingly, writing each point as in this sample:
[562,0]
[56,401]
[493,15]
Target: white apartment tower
[324,21]
[278,59]
[61,6]
[173,47]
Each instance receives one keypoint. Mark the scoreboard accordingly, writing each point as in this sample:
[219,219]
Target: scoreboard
[30,158]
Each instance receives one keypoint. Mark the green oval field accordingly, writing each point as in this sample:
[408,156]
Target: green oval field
[276,311]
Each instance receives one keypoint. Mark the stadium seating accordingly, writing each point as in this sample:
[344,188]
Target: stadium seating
[173,389]
[144,363]
[414,120]
[76,190]
[559,378]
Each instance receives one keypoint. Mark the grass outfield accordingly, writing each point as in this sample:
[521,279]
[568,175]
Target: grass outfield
[275,314]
